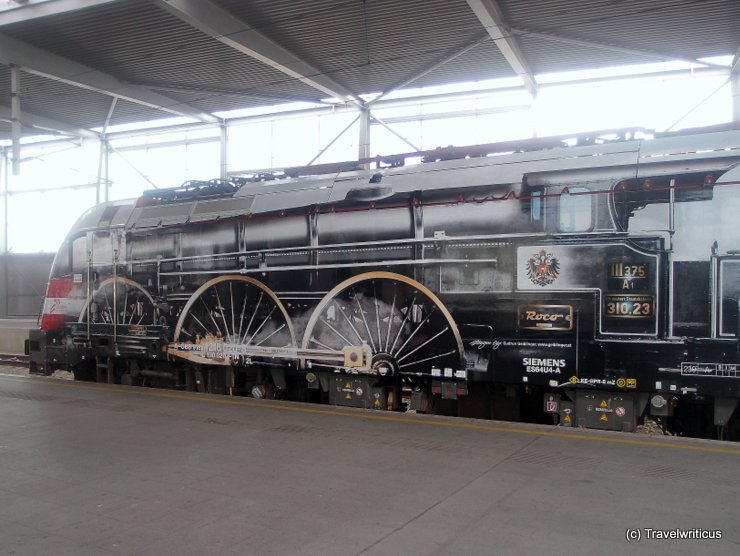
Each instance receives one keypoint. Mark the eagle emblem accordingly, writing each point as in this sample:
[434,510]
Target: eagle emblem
[543,268]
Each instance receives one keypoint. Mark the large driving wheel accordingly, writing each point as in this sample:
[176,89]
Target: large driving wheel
[230,312]
[407,327]
[121,301]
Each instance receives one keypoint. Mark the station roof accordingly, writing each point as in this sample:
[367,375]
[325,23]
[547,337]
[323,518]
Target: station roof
[198,58]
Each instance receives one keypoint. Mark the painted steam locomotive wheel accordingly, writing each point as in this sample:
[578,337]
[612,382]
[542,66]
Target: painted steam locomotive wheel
[233,312]
[122,301]
[407,327]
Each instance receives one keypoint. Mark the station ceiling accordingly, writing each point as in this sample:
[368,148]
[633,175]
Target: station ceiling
[200,57]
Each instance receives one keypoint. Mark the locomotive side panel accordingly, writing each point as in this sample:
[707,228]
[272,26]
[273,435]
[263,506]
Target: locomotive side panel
[574,271]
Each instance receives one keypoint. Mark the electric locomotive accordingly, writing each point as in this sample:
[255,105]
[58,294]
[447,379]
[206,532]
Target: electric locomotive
[584,285]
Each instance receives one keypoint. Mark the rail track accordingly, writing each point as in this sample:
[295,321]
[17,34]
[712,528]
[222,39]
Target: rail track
[14,359]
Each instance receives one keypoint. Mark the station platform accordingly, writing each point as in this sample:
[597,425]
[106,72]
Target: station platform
[102,469]
[13,333]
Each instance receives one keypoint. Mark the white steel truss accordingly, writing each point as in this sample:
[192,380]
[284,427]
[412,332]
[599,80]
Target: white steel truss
[52,66]
[216,22]
[490,16]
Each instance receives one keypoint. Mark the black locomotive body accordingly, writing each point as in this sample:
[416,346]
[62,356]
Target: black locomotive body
[585,285]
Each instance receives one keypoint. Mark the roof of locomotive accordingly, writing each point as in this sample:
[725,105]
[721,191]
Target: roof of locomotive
[720,149]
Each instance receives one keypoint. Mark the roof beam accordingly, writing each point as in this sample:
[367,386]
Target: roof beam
[735,65]
[52,66]
[219,91]
[489,14]
[47,124]
[216,22]
[34,9]
[557,37]
[436,64]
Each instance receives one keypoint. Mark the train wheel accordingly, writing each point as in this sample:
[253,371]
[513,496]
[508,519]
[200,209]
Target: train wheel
[121,301]
[407,327]
[232,311]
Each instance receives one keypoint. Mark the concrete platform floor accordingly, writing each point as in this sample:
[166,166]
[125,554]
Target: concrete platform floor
[97,469]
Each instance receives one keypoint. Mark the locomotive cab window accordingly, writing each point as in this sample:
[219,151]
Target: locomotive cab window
[729,297]
[536,206]
[71,258]
[575,211]
[79,254]
[62,266]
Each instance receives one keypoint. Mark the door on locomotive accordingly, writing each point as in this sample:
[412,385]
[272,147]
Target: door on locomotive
[696,214]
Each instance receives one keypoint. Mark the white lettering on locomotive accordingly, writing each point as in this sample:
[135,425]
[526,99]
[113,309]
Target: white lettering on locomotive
[537,365]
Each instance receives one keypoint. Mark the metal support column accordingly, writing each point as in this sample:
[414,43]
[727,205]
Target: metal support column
[224,150]
[735,88]
[106,161]
[100,170]
[364,140]
[103,156]
[6,198]
[4,266]
[15,116]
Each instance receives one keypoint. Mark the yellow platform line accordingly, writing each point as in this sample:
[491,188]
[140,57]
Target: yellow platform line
[369,415]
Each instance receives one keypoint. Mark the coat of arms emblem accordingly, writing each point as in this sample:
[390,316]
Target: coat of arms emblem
[543,268]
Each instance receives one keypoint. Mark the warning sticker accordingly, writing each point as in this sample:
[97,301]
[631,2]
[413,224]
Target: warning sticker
[604,417]
[620,411]
[604,408]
